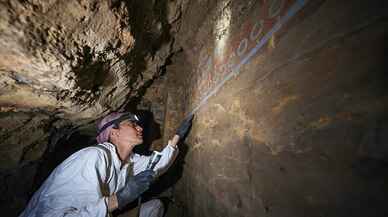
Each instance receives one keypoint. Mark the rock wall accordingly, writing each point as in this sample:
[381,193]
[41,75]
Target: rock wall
[290,99]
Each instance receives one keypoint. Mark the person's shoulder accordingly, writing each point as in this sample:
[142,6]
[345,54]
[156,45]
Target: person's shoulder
[91,152]
[97,150]
[86,157]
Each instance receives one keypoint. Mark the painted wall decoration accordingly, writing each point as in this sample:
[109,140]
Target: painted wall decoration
[221,63]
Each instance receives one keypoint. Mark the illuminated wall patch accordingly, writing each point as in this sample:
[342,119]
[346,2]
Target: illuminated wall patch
[214,70]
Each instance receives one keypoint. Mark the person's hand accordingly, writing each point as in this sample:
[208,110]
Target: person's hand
[184,126]
[134,187]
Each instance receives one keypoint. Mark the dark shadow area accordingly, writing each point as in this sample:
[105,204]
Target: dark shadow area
[57,154]
[151,132]
[372,161]
[14,189]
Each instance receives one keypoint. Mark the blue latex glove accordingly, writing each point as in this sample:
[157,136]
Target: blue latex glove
[134,187]
[184,127]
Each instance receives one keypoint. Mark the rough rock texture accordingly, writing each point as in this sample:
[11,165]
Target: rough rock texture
[301,130]
[64,64]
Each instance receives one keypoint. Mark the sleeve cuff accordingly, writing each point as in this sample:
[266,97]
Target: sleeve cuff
[175,148]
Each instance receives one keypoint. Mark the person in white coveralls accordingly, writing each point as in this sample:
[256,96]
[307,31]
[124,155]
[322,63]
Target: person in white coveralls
[99,179]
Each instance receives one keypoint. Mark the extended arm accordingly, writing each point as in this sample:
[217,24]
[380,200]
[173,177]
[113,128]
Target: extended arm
[169,153]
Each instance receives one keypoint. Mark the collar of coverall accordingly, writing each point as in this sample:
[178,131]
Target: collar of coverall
[128,116]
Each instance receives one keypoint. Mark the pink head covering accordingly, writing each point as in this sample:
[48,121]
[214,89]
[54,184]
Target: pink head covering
[104,135]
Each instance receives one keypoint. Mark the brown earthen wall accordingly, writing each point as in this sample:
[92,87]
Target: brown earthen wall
[300,130]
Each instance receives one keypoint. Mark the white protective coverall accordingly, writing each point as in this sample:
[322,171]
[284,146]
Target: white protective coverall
[81,184]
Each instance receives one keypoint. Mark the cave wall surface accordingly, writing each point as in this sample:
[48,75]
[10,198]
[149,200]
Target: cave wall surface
[291,118]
